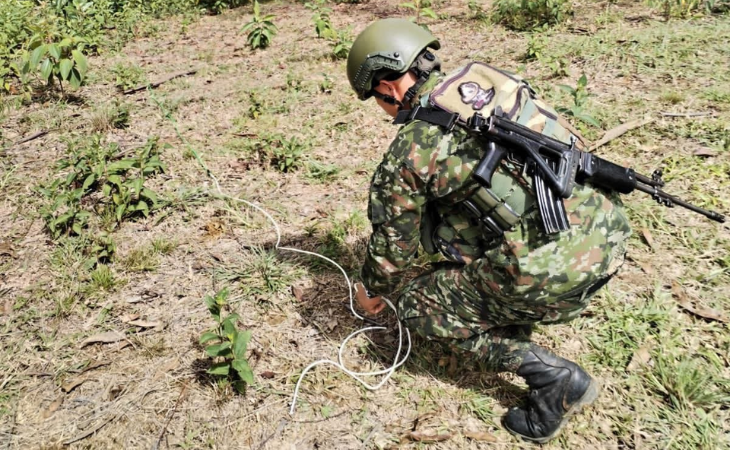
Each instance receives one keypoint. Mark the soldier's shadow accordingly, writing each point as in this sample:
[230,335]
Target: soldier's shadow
[324,306]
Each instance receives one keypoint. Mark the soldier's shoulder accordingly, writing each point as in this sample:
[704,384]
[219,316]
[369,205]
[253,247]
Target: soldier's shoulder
[415,142]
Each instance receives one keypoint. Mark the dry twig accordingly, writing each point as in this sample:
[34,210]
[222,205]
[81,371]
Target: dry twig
[142,87]
[171,414]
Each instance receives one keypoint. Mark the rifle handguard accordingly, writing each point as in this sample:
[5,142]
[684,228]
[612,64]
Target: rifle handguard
[606,174]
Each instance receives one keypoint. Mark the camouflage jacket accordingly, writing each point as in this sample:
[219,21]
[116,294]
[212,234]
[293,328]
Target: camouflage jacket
[428,169]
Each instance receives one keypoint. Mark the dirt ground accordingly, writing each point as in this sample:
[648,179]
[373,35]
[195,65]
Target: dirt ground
[148,388]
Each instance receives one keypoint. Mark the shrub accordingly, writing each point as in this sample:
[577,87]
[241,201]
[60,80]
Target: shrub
[524,15]
[260,29]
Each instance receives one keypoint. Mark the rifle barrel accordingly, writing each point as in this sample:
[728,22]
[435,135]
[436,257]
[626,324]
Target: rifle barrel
[654,192]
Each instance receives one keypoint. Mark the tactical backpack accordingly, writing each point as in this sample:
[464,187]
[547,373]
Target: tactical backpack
[480,88]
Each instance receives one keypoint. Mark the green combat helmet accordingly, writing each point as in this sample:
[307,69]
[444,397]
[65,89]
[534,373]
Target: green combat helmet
[388,44]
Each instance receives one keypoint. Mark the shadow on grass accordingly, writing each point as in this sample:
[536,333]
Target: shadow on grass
[324,306]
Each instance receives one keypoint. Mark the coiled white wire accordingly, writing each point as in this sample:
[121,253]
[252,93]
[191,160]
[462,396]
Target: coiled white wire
[339,363]
[340,359]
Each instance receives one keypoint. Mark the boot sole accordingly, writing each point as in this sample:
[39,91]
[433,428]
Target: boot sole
[589,397]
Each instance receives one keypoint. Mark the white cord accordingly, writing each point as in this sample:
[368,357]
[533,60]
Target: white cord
[340,362]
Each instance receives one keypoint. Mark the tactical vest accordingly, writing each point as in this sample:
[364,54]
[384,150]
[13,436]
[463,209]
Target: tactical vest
[478,87]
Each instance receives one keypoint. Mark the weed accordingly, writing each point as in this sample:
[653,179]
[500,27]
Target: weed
[127,75]
[321,172]
[62,60]
[110,116]
[580,97]
[226,344]
[525,15]
[341,46]
[687,383]
[260,29]
[163,246]
[625,328]
[102,279]
[142,259]
[321,17]
[261,273]
[422,8]
[95,168]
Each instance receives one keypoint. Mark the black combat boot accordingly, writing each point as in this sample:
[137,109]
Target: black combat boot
[558,389]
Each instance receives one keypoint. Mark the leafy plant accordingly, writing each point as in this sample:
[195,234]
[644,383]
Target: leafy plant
[322,23]
[342,45]
[522,15]
[422,8]
[63,60]
[226,344]
[260,30]
[98,168]
[127,76]
[580,97]
[687,8]
[218,6]
[687,383]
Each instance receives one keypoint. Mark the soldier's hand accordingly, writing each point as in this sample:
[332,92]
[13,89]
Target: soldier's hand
[371,305]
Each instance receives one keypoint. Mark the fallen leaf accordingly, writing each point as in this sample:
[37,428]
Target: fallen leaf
[6,249]
[53,407]
[146,324]
[268,374]
[7,307]
[129,317]
[648,237]
[704,151]
[134,299]
[103,338]
[120,346]
[640,358]
[425,437]
[73,384]
[95,365]
[297,292]
[167,368]
[706,313]
[480,436]
[620,130]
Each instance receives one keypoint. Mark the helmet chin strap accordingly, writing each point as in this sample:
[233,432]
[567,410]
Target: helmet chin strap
[389,99]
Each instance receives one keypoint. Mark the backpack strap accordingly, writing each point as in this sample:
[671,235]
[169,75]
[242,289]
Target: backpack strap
[430,115]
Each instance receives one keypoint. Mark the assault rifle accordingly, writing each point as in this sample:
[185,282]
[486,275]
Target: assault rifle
[556,166]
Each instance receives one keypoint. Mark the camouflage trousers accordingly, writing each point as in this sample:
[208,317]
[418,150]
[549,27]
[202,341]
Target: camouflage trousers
[446,305]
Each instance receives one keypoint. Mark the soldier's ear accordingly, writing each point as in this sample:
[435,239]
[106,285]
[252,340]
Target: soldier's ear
[389,87]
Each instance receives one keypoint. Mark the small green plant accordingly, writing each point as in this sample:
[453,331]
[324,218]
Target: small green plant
[477,11]
[62,61]
[686,8]
[257,105]
[288,154]
[97,168]
[422,8]
[261,30]
[687,383]
[341,46]
[321,17]
[580,97]
[226,344]
[127,76]
[523,15]
[321,172]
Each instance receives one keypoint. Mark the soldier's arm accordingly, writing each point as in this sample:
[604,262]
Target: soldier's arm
[397,197]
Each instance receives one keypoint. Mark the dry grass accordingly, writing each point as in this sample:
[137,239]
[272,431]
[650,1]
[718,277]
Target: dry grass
[151,387]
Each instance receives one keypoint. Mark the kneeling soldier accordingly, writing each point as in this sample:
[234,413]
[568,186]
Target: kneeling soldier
[504,271]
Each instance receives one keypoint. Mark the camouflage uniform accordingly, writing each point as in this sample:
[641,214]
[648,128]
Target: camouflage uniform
[485,299]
